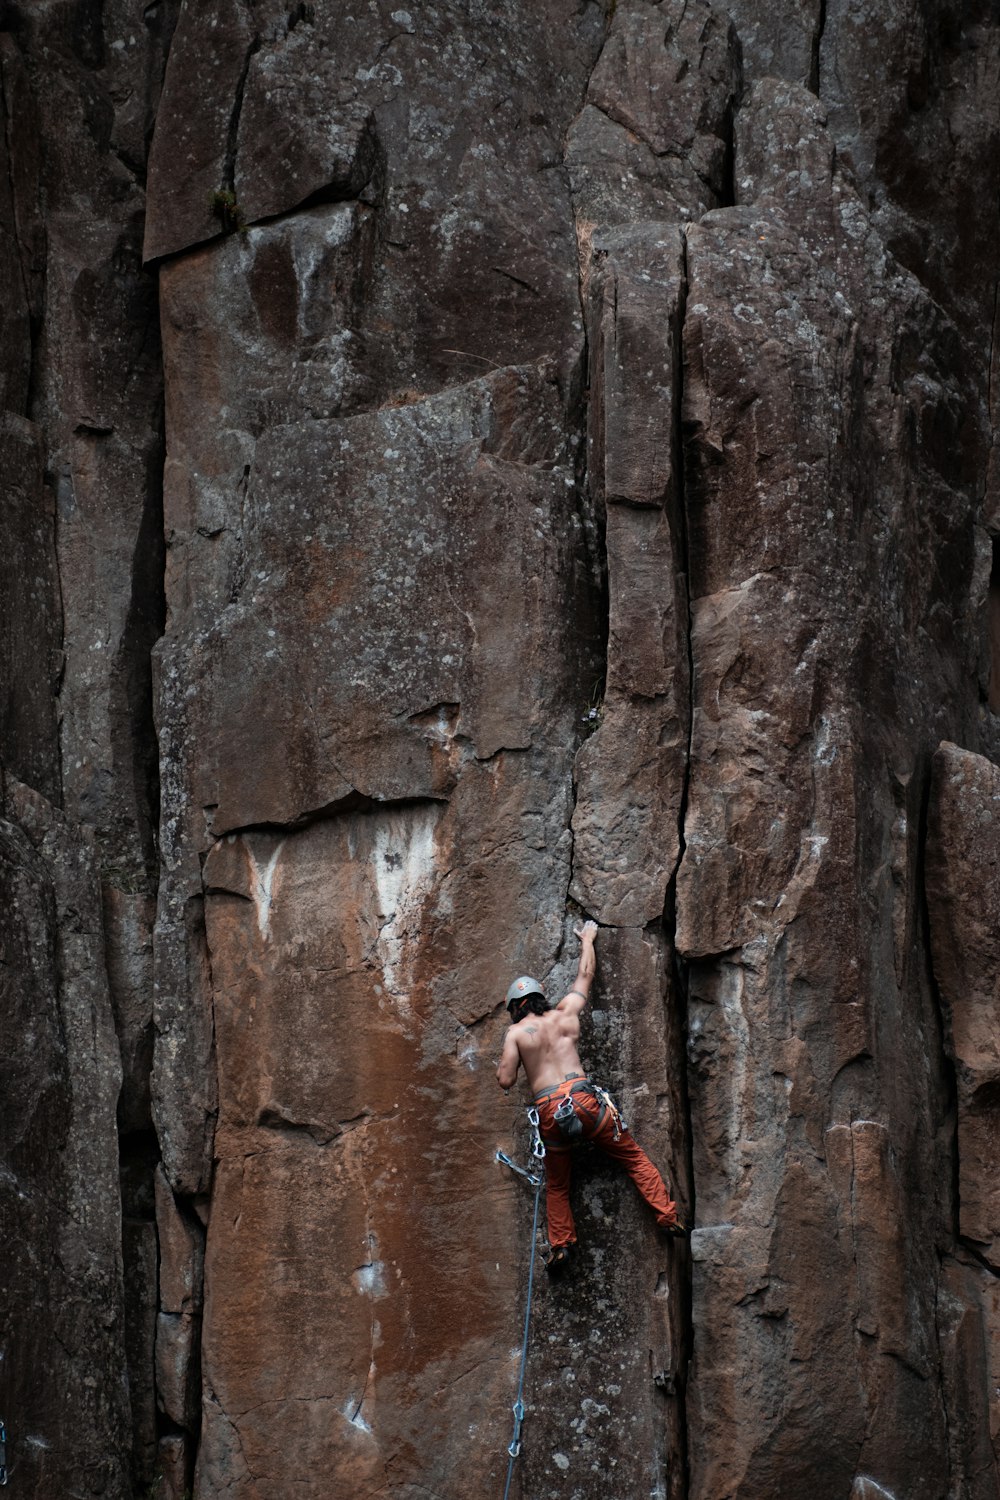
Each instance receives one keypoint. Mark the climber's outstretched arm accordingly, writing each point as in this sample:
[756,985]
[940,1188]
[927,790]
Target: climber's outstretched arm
[578,996]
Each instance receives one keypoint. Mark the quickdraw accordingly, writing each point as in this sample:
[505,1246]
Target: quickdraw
[536,1179]
[505,1161]
[612,1108]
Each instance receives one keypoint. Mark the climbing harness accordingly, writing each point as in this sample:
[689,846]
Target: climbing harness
[566,1118]
[536,1178]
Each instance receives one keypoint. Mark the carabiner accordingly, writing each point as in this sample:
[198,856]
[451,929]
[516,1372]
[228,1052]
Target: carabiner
[537,1144]
[514,1446]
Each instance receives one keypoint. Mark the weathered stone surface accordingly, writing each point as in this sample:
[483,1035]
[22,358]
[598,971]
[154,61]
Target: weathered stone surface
[781,41]
[654,140]
[425,276]
[911,93]
[139,1255]
[758,876]
[636,297]
[617,179]
[128,932]
[963,898]
[30,634]
[307,121]
[667,73]
[287,349]
[813,1108]
[182,1252]
[60,1215]
[29,587]
[320,1116]
[178,1387]
[97,397]
[968,1326]
[467,218]
[441,680]
[323,619]
[22,233]
[630,774]
[175,1467]
[205,72]
[178,1325]
[913,120]
[82,592]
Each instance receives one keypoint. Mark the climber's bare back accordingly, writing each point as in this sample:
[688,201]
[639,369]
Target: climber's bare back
[547,1045]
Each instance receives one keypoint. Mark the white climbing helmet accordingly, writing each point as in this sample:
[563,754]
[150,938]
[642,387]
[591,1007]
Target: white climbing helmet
[521,989]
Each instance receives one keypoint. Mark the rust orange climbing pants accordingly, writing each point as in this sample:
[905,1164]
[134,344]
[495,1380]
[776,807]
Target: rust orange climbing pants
[599,1127]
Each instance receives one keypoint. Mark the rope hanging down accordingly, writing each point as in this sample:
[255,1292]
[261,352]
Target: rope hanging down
[536,1179]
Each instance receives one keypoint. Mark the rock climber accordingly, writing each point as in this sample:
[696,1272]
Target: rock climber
[571,1107]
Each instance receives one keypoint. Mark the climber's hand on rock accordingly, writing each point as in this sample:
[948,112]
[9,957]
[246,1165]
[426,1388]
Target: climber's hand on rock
[588,930]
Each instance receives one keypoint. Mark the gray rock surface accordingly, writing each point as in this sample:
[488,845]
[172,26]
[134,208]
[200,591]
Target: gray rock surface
[60,1211]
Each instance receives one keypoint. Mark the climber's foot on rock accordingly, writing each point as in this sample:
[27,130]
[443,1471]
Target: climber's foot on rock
[676,1229]
[558,1259]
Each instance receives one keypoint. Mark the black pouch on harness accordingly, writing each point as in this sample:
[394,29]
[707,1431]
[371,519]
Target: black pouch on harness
[568,1121]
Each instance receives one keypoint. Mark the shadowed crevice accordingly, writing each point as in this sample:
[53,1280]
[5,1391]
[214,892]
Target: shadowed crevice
[134,732]
[678,1017]
[232,134]
[947,1069]
[353,802]
[816,58]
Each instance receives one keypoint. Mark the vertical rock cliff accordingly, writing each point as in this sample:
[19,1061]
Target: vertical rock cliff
[467,468]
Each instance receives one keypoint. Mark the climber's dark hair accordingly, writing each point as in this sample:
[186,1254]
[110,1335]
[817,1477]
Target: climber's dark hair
[533,1005]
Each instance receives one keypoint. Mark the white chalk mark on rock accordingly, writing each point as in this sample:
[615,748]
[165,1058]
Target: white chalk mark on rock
[405,871]
[352,1411]
[369,1279]
[262,886]
[865,1488]
[468,1052]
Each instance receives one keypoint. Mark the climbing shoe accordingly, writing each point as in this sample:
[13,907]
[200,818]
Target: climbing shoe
[678,1230]
[558,1259]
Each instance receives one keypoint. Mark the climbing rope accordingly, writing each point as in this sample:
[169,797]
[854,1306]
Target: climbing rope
[536,1179]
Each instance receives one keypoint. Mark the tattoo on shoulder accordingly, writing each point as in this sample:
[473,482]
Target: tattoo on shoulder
[531,1030]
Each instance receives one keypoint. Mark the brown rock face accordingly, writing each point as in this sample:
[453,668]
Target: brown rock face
[963,894]
[630,773]
[810,1024]
[466,469]
[963,898]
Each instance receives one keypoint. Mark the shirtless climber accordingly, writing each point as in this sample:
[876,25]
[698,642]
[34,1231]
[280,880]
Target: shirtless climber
[569,1105]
